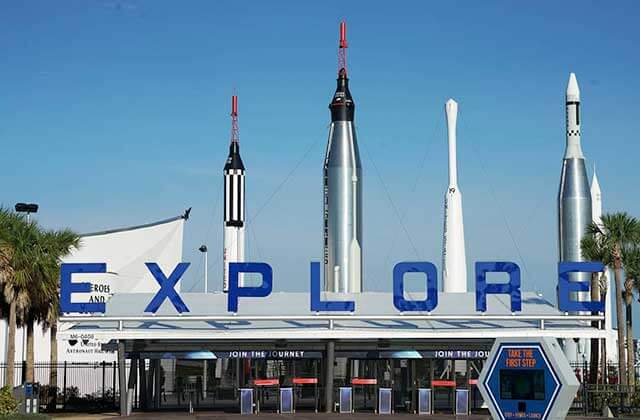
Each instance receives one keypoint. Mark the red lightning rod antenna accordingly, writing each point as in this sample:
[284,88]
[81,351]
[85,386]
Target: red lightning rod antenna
[342,51]
[235,137]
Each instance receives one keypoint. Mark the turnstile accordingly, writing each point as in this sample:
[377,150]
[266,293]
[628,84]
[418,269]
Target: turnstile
[424,401]
[246,400]
[286,400]
[346,405]
[385,401]
[462,402]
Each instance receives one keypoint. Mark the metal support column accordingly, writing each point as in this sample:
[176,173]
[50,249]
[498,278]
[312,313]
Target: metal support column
[328,378]
[142,395]
[157,385]
[122,375]
[133,379]
[413,381]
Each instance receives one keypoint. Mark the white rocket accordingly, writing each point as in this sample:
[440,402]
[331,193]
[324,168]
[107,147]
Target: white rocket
[596,213]
[234,207]
[454,260]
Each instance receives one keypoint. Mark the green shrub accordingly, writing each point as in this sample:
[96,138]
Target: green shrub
[8,404]
[25,417]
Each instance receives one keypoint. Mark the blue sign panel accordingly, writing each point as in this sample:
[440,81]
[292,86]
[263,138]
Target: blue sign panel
[521,382]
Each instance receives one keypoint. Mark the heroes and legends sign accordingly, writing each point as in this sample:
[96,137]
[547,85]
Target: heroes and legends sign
[167,287]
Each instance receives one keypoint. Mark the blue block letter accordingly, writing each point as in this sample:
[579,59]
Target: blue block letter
[67,287]
[566,286]
[167,287]
[512,288]
[431,300]
[235,291]
[318,305]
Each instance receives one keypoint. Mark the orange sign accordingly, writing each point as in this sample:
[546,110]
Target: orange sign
[520,358]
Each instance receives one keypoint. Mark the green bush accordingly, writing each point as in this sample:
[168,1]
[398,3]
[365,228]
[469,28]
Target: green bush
[25,417]
[8,404]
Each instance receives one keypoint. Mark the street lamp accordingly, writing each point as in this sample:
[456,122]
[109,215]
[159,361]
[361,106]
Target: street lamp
[27,208]
[204,250]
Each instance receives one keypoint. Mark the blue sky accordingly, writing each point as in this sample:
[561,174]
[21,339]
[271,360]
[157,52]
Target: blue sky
[115,113]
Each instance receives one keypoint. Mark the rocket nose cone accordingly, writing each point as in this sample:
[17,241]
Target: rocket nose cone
[234,161]
[451,105]
[573,91]
[342,106]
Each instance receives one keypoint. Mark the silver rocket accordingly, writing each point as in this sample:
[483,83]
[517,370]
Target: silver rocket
[342,190]
[574,199]
[234,206]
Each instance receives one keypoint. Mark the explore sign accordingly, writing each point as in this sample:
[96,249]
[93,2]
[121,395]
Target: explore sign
[167,284]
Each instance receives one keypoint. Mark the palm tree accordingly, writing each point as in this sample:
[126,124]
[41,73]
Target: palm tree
[617,230]
[6,274]
[18,239]
[29,277]
[44,295]
[57,244]
[632,273]
[593,250]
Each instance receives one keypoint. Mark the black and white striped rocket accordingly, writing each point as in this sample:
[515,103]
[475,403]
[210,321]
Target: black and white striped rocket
[342,190]
[234,201]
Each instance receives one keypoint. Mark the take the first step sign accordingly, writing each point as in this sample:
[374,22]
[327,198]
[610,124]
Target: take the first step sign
[528,378]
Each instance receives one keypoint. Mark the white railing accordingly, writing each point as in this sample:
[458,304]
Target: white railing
[331,318]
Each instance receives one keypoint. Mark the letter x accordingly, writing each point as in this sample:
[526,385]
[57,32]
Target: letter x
[167,289]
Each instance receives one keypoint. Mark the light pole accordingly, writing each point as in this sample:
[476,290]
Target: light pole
[204,250]
[25,208]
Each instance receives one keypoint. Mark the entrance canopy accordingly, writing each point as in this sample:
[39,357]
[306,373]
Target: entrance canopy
[286,316]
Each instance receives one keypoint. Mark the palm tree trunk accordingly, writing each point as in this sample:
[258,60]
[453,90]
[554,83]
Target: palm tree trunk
[11,347]
[29,376]
[53,355]
[53,365]
[603,348]
[631,377]
[622,372]
[595,345]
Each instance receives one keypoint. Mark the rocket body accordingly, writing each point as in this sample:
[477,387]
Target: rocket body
[342,179]
[234,212]
[574,197]
[574,202]
[234,207]
[454,266]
